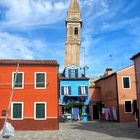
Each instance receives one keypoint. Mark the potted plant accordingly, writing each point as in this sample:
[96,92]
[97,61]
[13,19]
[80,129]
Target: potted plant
[84,116]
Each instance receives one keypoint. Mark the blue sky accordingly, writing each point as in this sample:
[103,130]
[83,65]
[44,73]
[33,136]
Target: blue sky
[35,29]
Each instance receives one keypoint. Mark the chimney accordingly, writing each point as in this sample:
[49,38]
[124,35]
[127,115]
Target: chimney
[108,71]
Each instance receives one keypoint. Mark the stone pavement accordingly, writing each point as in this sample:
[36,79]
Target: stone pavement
[84,131]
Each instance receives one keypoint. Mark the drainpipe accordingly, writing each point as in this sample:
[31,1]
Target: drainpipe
[117,98]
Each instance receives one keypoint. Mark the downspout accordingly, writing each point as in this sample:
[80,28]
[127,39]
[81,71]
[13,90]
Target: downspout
[117,98]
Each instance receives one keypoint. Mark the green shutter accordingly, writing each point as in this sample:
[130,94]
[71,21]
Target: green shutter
[62,90]
[79,90]
[126,82]
[19,81]
[17,110]
[69,88]
[76,73]
[40,111]
[86,90]
[40,80]
[69,73]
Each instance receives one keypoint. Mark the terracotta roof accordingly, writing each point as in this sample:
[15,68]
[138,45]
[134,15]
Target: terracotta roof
[136,55]
[28,62]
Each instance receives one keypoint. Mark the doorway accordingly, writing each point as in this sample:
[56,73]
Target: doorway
[95,112]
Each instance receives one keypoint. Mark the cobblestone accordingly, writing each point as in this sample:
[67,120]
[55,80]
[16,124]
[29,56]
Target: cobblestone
[84,131]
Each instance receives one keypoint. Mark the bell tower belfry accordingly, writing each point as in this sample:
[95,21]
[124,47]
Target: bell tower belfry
[73,25]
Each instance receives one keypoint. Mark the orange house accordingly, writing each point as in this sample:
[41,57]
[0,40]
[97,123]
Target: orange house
[116,96]
[34,84]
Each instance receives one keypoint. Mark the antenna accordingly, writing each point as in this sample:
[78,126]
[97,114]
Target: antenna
[85,66]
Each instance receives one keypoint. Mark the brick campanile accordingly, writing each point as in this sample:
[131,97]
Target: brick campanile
[73,25]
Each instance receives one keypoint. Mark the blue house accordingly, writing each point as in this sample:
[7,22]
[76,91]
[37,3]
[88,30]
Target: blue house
[74,86]
[74,93]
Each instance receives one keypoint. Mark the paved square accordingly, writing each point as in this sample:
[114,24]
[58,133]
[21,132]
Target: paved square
[84,131]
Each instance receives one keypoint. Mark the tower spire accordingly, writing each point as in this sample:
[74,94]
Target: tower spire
[74,7]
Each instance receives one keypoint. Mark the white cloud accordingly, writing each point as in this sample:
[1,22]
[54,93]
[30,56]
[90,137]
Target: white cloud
[15,47]
[32,12]
[121,24]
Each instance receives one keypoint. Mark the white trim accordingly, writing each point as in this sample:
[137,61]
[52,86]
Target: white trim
[22,80]
[35,80]
[131,106]
[35,111]
[129,82]
[22,106]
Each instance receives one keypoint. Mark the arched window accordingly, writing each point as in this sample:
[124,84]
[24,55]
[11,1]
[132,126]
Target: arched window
[76,31]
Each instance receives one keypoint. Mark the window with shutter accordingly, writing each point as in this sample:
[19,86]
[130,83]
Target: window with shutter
[40,111]
[126,82]
[17,111]
[83,90]
[40,80]
[17,80]
[73,73]
[66,90]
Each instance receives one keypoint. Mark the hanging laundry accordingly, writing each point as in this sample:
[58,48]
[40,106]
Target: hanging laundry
[103,110]
[114,113]
[107,114]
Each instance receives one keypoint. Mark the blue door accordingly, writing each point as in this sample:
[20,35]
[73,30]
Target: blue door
[75,111]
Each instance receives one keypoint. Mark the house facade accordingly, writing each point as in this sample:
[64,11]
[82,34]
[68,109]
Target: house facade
[136,59]
[34,85]
[117,96]
[74,85]
[74,93]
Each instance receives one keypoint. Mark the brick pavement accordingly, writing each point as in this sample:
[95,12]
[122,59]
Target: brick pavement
[84,131]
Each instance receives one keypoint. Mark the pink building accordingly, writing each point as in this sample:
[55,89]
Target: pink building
[136,59]
[116,94]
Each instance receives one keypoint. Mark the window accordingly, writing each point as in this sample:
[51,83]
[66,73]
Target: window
[17,111]
[66,90]
[17,80]
[83,90]
[126,82]
[73,73]
[40,80]
[128,106]
[76,31]
[40,111]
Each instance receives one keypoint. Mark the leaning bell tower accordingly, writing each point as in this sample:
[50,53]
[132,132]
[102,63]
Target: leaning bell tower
[73,25]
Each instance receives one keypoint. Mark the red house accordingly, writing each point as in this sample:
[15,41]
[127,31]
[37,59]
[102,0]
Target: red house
[136,59]
[34,84]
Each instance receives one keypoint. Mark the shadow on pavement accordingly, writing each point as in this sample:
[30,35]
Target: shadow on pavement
[127,130]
